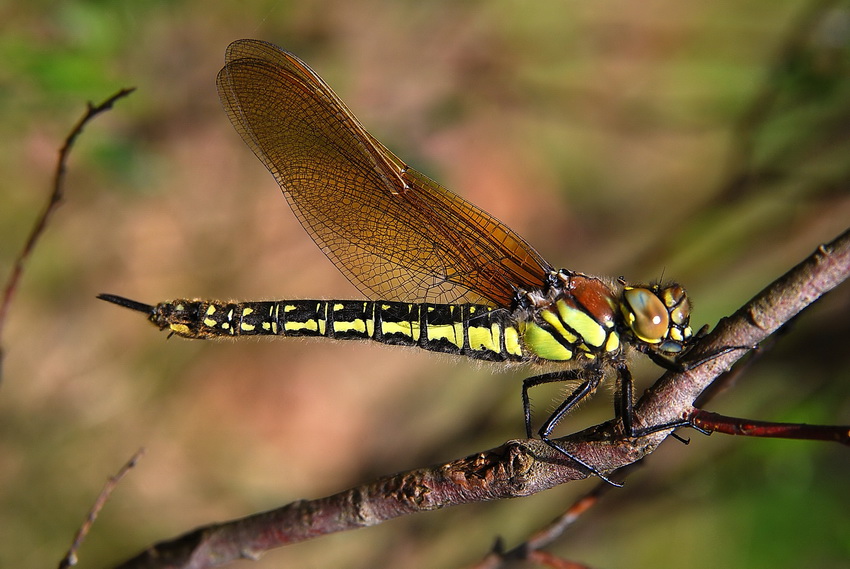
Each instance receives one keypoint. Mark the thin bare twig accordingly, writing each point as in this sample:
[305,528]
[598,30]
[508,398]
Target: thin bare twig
[70,558]
[519,467]
[55,199]
[548,534]
[545,559]
[716,423]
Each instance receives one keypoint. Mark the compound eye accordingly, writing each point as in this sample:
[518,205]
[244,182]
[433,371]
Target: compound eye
[682,313]
[648,315]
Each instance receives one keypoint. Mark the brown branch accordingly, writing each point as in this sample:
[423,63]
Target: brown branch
[716,423]
[529,549]
[519,467]
[70,558]
[53,202]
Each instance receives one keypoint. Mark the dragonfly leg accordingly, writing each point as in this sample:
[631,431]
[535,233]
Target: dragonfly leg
[667,426]
[554,377]
[587,467]
[673,364]
[625,409]
[590,381]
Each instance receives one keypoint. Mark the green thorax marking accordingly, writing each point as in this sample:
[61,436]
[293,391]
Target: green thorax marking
[577,320]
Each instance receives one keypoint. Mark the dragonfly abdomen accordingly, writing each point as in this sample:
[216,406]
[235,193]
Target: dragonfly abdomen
[471,330]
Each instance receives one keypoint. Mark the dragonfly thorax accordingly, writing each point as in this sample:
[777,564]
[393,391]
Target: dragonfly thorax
[580,317]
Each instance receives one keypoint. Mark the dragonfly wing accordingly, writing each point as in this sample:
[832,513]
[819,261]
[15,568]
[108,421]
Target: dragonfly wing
[392,231]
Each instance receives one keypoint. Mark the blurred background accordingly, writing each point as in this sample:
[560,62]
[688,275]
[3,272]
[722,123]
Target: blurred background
[707,143]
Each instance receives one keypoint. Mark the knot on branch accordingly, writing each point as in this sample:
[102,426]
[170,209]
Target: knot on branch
[507,466]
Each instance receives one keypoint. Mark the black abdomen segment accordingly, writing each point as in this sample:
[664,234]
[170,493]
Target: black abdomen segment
[472,330]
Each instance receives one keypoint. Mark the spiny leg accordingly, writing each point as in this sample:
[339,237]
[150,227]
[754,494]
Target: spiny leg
[670,364]
[543,379]
[624,408]
[529,382]
[674,364]
[591,379]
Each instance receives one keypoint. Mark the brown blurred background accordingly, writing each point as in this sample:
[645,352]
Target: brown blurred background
[706,142]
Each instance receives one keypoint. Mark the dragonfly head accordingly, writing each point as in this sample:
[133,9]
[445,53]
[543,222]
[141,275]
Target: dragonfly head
[658,316]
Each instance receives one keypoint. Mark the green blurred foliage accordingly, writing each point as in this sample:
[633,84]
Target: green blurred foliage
[704,141]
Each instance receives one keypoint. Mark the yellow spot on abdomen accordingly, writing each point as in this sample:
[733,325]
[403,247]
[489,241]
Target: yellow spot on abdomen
[180,329]
[407,328]
[310,325]
[512,343]
[481,338]
[451,332]
[358,325]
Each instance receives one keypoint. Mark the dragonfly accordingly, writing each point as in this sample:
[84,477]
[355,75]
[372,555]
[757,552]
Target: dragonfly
[438,273]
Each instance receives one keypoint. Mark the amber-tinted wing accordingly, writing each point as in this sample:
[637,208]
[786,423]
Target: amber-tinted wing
[395,233]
